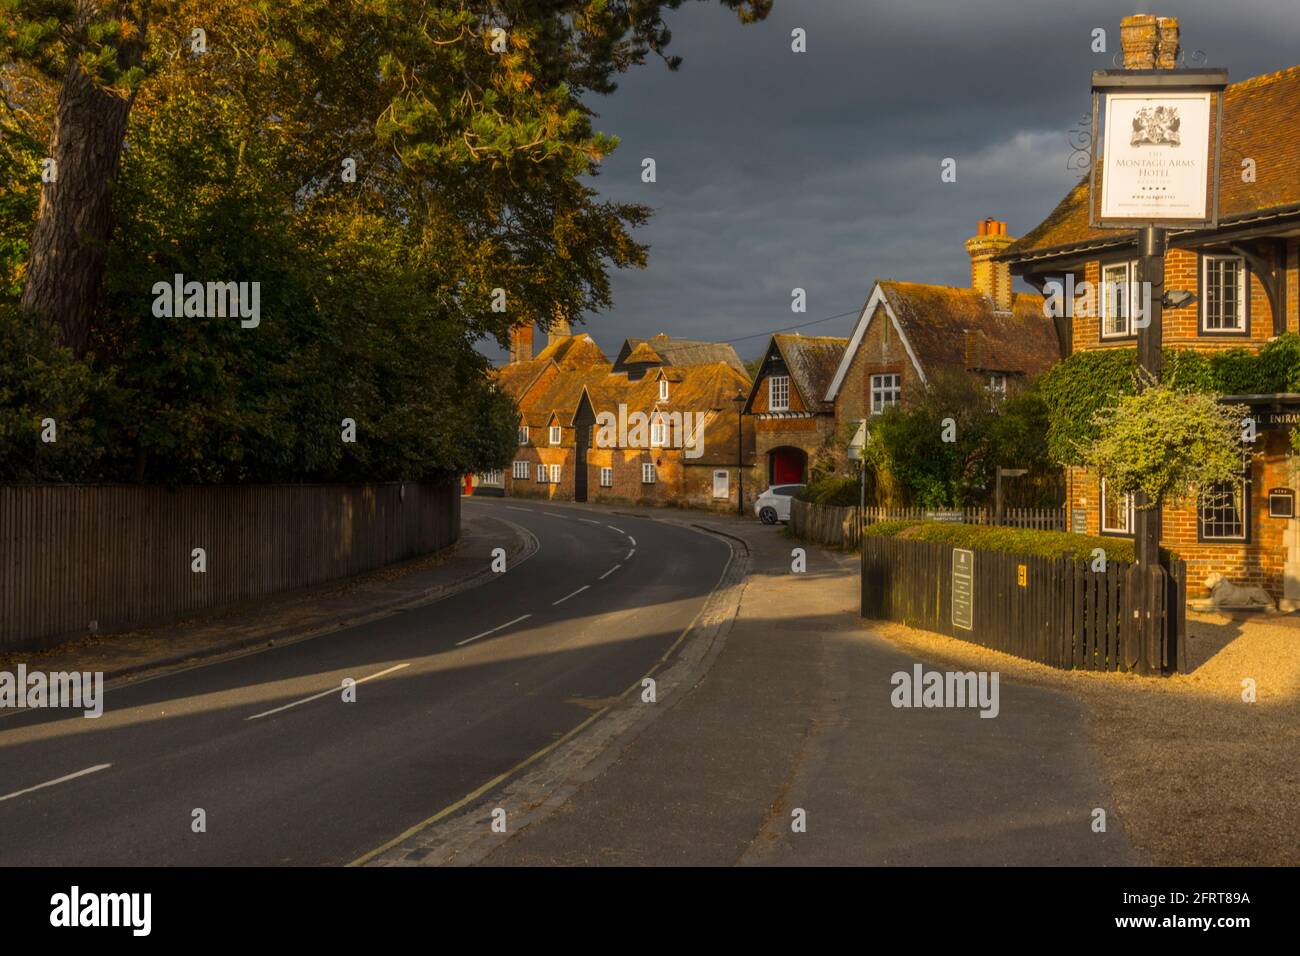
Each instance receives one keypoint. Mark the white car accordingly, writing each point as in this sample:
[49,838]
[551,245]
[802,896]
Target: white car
[773,505]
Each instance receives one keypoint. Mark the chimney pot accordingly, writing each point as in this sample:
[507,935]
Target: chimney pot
[1138,37]
[989,276]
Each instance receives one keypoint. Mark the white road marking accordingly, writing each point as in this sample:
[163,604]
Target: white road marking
[493,631]
[553,514]
[567,596]
[588,521]
[609,572]
[50,783]
[619,530]
[325,693]
[513,508]
[632,539]
[629,555]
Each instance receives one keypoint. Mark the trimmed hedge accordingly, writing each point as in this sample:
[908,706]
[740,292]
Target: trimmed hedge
[1024,541]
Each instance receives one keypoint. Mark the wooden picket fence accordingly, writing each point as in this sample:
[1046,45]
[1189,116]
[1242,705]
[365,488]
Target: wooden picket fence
[1056,611]
[1039,519]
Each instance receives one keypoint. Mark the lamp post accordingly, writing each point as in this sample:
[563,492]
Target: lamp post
[740,452]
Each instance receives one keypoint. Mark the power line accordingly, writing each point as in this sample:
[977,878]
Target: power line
[791,328]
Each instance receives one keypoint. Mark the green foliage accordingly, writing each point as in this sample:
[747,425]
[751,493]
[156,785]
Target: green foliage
[1088,381]
[1022,541]
[1166,443]
[840,492]
[39,381]
[471,166]
[908,456]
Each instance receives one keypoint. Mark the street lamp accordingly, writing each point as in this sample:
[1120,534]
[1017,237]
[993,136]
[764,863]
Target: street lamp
[740,452]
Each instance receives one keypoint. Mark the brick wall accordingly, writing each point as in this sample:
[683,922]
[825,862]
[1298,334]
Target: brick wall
[1259,562]
[881,351]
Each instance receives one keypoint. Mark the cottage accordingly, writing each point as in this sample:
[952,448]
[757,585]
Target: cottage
[659,425]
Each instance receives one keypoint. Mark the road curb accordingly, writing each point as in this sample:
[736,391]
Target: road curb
[462,835]
[523,545]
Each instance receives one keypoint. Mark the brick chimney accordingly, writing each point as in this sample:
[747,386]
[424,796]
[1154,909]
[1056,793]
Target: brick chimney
[521,343]
[559,327]
[987,275]
[1149,42]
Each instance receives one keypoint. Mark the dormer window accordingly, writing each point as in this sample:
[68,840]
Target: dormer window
[658,433]
[523,434]
[778,393]
[555,435]
[663,390]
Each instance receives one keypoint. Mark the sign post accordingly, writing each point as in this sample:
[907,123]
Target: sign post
[1160,169]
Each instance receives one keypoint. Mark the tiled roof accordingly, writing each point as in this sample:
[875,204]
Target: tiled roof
[682,352]
[573,350]
[958,329]
[1261,121]
[812,361]
[643,354]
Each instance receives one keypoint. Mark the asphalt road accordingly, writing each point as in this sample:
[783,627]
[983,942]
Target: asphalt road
[448,696]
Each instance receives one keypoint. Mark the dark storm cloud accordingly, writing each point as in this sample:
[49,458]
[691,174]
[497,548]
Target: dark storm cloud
[821,170]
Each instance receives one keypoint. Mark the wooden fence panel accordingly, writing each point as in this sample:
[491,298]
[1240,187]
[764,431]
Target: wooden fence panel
[1066,615]
[120,555]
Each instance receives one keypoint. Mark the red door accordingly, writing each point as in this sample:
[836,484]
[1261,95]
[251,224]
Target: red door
[787,466]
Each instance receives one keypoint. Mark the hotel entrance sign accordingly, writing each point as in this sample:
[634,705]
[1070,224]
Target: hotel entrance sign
[1160,152]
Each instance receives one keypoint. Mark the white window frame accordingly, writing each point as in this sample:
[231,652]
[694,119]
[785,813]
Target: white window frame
[1108,300]
[885,393]
[1244,537]
[541,473]
[555,474]
[520,469]
[1101,514]
[556,435]
[778,393]
[648,473]
[997,384]
[523,434]
[607,477]
[663,389]
[658,433]
[1243,291]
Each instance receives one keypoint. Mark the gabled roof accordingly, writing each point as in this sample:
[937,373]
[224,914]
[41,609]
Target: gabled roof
[573,350]
[1261,121]
[682,352]
[941,327]
[811,361]
[642,354]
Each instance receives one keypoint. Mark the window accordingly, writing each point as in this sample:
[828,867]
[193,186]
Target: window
[998,384]
[1116,512]
[521,470]
[1118,295]
[647,473]
[778,393]
[1223,295]
[555,474]
[1224,512]
[663,390]
[658,433]
[886,390]
[541,473]
[523,434]
[607,477]
[555,434]
[492,478]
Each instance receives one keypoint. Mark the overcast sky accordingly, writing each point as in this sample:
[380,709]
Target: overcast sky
[821,169]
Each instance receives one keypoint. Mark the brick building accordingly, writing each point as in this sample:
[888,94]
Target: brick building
[1244,277]
[687,450]
[811,393]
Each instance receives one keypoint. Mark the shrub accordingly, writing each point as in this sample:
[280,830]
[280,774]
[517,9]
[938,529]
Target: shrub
[840,492]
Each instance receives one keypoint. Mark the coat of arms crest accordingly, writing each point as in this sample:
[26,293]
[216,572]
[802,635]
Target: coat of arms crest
[1156,126]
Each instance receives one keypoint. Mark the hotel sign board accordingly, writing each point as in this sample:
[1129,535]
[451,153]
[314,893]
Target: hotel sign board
[963,588]
[1160,150]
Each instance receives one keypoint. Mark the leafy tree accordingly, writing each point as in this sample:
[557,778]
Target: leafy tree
[1166,442]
